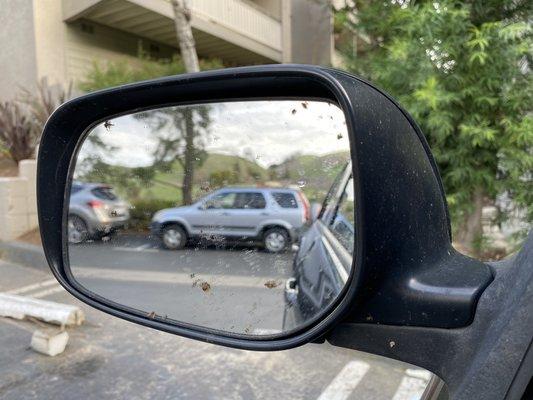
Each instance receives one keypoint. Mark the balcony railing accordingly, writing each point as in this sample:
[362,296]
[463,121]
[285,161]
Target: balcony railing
[240,17]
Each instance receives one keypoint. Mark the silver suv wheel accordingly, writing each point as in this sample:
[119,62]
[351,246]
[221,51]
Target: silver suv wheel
[275,240]
[77,229]
[174,237]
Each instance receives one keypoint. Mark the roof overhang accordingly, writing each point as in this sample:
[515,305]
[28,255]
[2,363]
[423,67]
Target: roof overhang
[241,34]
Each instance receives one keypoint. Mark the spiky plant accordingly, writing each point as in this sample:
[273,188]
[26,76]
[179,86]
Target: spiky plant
[42,102]
[18,132]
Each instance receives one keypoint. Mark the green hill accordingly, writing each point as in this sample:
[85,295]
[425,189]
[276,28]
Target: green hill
[314,174]
[216,171]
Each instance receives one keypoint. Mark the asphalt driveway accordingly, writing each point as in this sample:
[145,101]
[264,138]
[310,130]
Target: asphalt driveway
[108,358]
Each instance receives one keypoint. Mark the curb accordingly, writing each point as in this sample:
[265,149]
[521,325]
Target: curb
[28,255]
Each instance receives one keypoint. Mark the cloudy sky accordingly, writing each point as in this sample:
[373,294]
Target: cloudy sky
[265,131]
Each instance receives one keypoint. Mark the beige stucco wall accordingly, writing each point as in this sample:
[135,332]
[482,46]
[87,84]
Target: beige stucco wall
[49,40]
[17,55]
[18,202]
[88,42]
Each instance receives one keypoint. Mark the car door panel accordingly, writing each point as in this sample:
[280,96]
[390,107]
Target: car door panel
[248,214]
[319,271]
[213,214]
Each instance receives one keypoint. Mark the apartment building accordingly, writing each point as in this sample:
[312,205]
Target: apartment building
[60,39]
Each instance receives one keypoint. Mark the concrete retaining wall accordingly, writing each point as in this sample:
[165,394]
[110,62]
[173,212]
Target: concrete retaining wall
[18,201]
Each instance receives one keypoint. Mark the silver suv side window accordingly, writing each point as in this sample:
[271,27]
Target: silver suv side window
[104,193]
[250,200]
[221,200]
[285,199]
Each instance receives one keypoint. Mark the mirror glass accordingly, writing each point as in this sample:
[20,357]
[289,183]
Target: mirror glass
[233,216]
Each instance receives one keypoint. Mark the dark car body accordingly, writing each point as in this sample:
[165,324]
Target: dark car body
[322,265]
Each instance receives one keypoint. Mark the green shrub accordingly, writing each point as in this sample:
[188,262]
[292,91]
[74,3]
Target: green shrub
[112,73]
[142,212]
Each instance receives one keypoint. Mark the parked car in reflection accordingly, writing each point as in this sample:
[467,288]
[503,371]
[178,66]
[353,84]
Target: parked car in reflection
[271,217]
[322,265]
[95,211]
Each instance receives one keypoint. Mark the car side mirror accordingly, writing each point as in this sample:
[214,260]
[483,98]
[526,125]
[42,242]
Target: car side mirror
[261,127]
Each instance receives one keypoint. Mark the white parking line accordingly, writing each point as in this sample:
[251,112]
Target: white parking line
[38,290]
[346,381]
[145,276]
[48,292]
[143,248]
[264,332]
[412,385]
[29,288]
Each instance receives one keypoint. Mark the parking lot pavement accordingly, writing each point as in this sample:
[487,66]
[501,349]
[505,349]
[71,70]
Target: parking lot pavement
[136,251]
[243,285]
[108,358]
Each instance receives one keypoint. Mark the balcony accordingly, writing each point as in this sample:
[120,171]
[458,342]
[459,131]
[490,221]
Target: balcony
[236,31]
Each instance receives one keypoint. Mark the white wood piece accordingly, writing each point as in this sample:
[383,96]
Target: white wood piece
[20,307]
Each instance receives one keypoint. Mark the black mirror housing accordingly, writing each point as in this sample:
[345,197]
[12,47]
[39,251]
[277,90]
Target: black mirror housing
[405,270]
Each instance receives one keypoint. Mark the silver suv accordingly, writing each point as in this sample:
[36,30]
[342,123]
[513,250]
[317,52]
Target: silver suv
[273,217]
[94,211]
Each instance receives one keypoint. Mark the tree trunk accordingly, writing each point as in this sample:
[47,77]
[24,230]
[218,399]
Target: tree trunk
[182,17]
[189,159]
[472,229]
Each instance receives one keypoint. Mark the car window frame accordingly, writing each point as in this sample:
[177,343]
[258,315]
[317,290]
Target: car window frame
[214,195]
[251,192]
[104,192]
[333,220]
[334,194]
[297,204]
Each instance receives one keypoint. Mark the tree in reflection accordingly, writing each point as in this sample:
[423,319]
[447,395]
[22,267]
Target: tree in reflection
[92,167]
[89,165]
[181,134]
[129,181]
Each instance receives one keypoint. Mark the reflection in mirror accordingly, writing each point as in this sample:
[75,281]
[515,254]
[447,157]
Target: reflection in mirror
[235,216]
